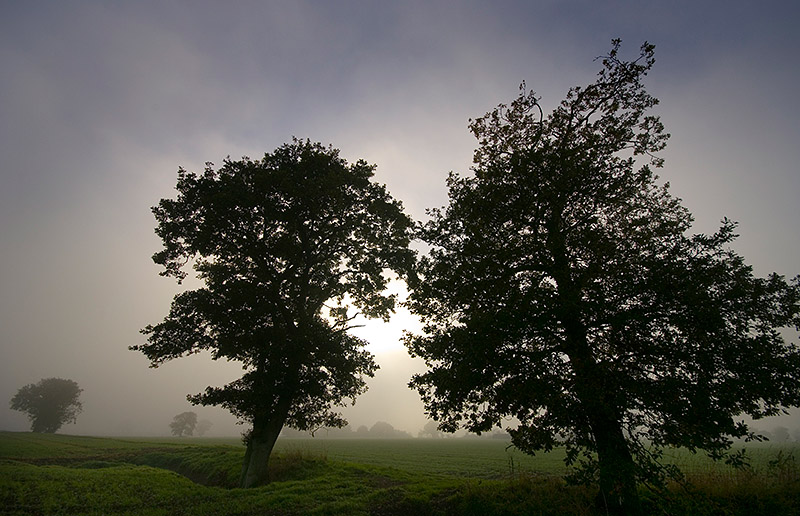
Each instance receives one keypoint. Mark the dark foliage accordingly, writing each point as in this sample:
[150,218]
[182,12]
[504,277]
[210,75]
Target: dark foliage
[284,246]
[563,290]
[50,403]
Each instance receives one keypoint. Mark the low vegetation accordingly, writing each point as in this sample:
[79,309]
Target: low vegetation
[58,474]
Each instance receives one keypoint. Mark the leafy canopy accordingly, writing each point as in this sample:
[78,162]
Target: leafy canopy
[49,403]
[563,290]
[284,246]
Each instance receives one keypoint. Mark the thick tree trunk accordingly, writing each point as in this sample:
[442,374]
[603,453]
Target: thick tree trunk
[266,429]
[255,468]
[617,470]
[618,494]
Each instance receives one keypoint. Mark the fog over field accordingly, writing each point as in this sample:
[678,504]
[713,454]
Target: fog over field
[101,102]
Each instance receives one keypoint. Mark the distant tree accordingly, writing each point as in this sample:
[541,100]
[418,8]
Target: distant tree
[50,403]
[183,424]
[384,430]
[430,430]
[500,434]
[381,429]
[284,246]
[362,431]
[563,290]
[203,426]
[780,434]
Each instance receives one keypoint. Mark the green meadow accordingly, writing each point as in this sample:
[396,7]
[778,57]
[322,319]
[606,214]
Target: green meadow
[59,474]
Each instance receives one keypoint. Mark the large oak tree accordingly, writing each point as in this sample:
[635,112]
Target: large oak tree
[284,245]
[563,290]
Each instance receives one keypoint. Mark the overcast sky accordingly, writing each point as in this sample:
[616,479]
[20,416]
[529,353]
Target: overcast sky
[101,102]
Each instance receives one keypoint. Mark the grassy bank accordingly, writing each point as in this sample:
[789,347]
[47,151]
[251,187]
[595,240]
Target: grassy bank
[56,474]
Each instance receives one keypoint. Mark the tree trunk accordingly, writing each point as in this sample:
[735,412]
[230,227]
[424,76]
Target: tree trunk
[255,468]
[266,429]
[618,494]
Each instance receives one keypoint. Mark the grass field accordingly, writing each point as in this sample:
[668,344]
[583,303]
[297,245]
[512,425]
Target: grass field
[58,474]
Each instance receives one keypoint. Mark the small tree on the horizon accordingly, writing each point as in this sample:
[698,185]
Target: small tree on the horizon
[562,289]
[203,426]
[430,430]
[49,403]
[183,424]
[780,434]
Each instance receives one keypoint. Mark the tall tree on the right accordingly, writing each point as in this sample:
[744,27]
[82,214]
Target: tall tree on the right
[563,289]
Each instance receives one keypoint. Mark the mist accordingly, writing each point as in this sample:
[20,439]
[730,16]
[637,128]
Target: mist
[101,103]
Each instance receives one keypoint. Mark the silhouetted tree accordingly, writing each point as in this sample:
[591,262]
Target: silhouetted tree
[562,289]
[381,429]
[183,424]
[384,430]
[50,403]
[284,246]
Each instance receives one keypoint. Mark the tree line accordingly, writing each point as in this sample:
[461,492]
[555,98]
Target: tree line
[379,430]
[562,290]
